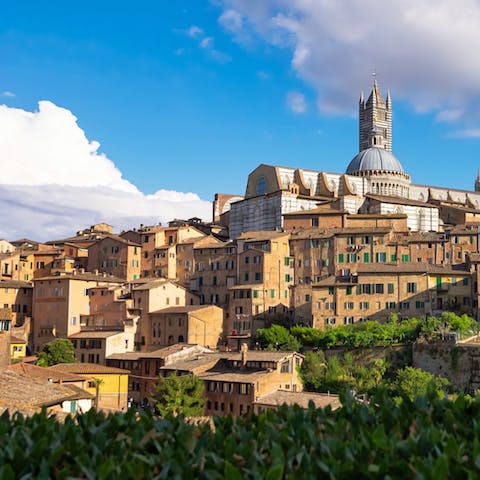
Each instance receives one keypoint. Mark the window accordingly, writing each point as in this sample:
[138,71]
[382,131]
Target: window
[246,276]
[349,305]
[349,290]
[419,304]
[391,288]
[411,287]
[404,305]
[331,290]
[257,259]
[340,258]
[351,257]
[348,320]
[287,277]
[307,297]
[247,259]
[465,281]
[330,321]
[379,288]
[261,188]
[366,257]
[258,276]
[381,257]
[330,305]
[287,261]
[315,222]
[255,294]
[405,258]
[454,281]
[390,305]
[364,305]
[393,257]
[350,240]
[272,293]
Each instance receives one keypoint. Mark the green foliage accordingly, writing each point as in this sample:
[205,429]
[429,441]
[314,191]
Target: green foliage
[428,437]
[59,350]
[361,335]
[278,338]
[337,374]
[179,395]
[410,382]
[457,323]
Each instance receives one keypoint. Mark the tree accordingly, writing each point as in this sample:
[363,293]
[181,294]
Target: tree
[179,395]
[59,350]
[411,382]
[277,337]
[97,382]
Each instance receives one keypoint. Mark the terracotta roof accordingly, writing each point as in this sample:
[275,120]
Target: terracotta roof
[45,373]
[185,309]
[262,355]
[315,211]
[88,369]
[19,392]
[125,356]
[155,284]
[15,284]
[16,340]
[95,334]
[261,235]
[399,201]
[87,276]
[195,363]
[238,376]
[302,399]
[414,267]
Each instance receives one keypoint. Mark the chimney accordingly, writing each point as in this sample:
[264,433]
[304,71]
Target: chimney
[243,355]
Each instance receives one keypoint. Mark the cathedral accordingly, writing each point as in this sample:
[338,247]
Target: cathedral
[374,182]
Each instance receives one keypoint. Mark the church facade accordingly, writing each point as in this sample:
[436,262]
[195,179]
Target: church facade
[374,182]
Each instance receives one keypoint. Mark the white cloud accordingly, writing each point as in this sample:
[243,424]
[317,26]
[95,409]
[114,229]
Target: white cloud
[7,93]
[424,53]
[262,75]
[206,42]
[55,182]
[195,31]
[467,133]
[296,102]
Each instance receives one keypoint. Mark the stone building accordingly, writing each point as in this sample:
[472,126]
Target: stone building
[374,182]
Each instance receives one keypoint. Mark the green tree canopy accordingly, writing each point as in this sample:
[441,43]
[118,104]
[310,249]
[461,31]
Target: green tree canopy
[59,350]
[410,382]
[179,395]
[277,337]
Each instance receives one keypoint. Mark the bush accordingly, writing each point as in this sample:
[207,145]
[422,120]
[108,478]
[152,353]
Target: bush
[428,437]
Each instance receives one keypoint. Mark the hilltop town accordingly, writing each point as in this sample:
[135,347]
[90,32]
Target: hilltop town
[297,248]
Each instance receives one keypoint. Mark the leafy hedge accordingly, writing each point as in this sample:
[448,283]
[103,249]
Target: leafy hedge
[366,334]
[429,438]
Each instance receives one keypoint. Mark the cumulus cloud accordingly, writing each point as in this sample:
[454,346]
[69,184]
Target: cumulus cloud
[296,102]
[426,54]
[55,182]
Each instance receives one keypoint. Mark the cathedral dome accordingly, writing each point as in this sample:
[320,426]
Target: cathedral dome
[374,159]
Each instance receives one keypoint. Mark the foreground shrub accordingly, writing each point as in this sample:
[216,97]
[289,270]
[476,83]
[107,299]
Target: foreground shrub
[428,437]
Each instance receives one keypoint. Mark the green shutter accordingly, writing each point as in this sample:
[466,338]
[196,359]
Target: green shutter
[366,257]
[340,258]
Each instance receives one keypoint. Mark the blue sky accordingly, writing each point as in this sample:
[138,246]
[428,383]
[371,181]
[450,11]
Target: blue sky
[190,96]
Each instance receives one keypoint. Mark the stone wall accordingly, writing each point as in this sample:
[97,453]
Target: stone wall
[459,363]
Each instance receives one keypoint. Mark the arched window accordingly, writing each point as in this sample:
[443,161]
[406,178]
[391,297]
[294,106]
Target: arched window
[180,339]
